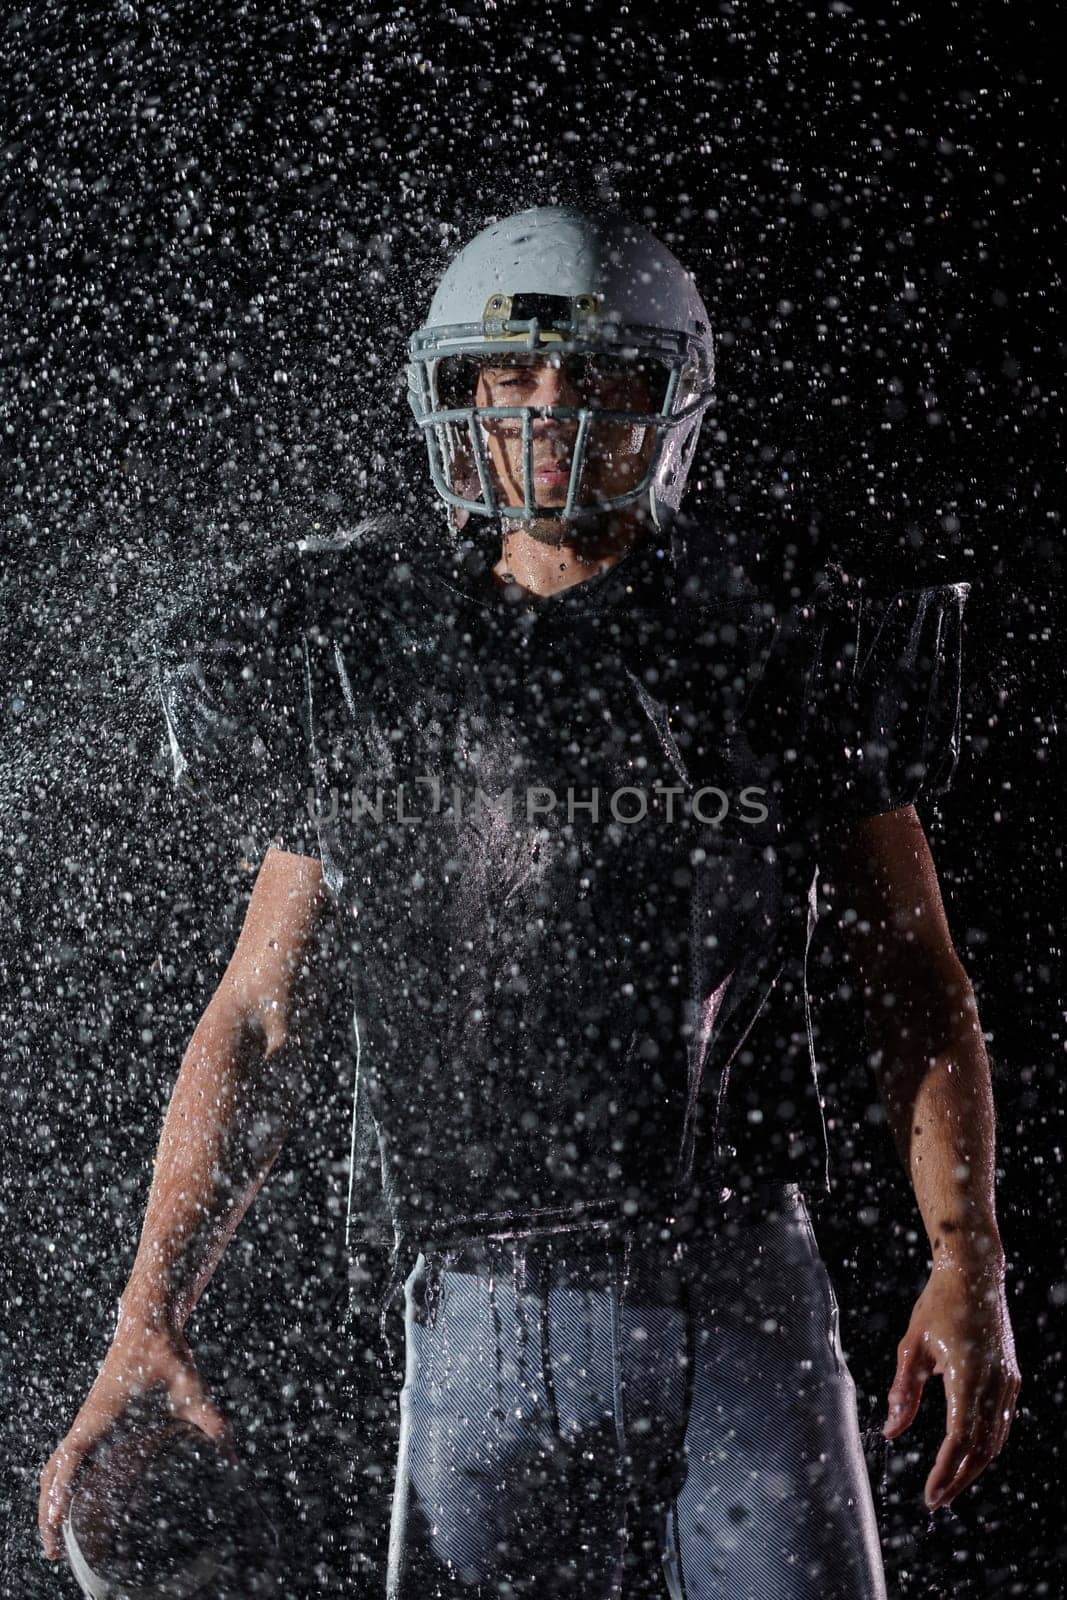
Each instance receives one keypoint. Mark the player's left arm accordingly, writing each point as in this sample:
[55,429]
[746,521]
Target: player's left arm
[932,1070]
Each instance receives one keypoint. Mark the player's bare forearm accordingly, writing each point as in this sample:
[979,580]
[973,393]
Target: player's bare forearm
[237,1091]
[227,1120]
[932,1070]
[922,1027]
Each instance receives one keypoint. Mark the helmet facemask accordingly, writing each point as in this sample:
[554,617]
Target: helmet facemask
[483,455]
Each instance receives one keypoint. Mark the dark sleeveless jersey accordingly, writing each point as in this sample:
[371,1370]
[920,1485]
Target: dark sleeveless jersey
[573,840]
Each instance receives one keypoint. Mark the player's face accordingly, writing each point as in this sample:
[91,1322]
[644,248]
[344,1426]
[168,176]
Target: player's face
[617,454]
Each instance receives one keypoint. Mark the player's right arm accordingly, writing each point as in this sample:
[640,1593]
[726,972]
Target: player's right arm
[232,1105]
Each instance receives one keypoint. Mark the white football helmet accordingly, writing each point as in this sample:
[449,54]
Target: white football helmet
[558,281]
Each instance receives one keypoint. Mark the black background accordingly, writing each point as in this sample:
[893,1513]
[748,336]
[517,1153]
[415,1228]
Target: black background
[219,227]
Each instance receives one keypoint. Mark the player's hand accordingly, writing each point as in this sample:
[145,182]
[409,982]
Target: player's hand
[142,1358]
[959,1329]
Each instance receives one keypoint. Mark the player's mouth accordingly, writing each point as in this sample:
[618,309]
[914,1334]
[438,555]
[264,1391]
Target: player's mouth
[552,474]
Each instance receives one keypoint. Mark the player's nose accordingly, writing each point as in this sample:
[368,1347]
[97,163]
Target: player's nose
[555,386]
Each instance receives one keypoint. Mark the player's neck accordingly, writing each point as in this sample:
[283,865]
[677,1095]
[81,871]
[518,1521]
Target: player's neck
[545,558]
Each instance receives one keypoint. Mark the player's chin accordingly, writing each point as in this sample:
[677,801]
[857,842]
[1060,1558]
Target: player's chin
[551,504]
